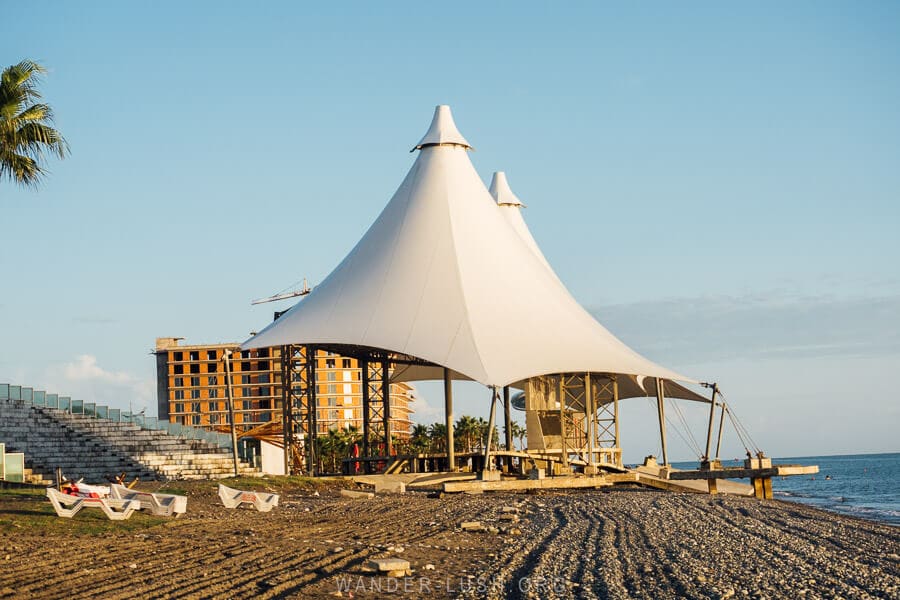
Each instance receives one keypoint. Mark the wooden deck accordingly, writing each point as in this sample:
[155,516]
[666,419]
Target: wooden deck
[745,473]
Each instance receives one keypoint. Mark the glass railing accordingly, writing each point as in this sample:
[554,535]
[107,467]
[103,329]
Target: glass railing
[29,396]
[12,465]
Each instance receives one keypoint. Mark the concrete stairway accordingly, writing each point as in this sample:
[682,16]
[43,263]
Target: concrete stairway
[37,478]
[168,455]
[95,448]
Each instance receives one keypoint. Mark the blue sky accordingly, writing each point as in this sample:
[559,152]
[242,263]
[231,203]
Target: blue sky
[719,185]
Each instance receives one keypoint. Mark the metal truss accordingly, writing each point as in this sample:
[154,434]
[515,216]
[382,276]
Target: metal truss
[572,391]
[298,407]
[607,413]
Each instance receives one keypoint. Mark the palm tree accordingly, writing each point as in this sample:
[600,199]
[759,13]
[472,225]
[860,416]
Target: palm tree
[481,427]
[418,440]
[352,435]
[519,433]
[25,131]
[335,446]
[324,445]
[437,432]
[467,429]
[376,439]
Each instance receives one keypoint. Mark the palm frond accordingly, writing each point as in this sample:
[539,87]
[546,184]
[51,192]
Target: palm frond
[26,136]
[36,112]
[21,169]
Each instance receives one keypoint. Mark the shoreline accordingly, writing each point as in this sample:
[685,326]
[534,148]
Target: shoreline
[617,543]
[852,511]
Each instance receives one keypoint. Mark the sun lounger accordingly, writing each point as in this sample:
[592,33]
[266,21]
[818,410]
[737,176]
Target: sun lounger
[233,498]
[67,506]
[84,490]
[161,505]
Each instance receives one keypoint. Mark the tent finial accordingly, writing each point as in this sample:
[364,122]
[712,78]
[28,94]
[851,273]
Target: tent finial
[443,131]
[502,193]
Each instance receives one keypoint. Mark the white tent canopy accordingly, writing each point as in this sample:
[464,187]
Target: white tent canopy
[510,207]
[442,275]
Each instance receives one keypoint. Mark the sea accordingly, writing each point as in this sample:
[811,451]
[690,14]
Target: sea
[859,485]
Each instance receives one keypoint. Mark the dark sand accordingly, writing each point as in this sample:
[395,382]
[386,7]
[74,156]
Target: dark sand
[618,543]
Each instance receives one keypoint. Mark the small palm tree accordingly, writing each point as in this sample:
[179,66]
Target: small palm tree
[352,435]
[437,433]
[376,439]
[25,131]
[519,433]
[419,441]
[481,428]
[466,430]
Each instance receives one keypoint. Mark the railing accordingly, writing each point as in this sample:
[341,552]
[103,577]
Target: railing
[40,398]
[12,465]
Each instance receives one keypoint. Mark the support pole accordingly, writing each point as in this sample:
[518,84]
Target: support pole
[448,419]
[507,425]
[762,487]
[507,418]
[721,429]
[488,466]
[364,364]
[561,393]
[615,382]
[712,418]
[386,397]
[226,356]
[286,389]
[590,412]
[661,410]
[312,363]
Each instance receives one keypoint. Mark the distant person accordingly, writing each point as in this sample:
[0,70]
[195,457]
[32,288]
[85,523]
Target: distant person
[354,452]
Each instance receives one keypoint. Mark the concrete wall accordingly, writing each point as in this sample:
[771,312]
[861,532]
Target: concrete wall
[272,458]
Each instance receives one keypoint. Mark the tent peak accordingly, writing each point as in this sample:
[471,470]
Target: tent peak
[502,193]
[443,131]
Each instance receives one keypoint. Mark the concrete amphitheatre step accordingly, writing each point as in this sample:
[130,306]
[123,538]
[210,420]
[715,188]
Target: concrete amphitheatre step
[95,448]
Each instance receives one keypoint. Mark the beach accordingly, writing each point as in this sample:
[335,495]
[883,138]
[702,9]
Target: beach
[624,542]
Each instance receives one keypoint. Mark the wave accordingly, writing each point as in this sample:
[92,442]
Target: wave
[882,514]
[792,494]
[843,505]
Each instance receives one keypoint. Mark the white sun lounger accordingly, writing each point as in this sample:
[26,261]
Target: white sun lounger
[67,506]
[232,498]
[161,505]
